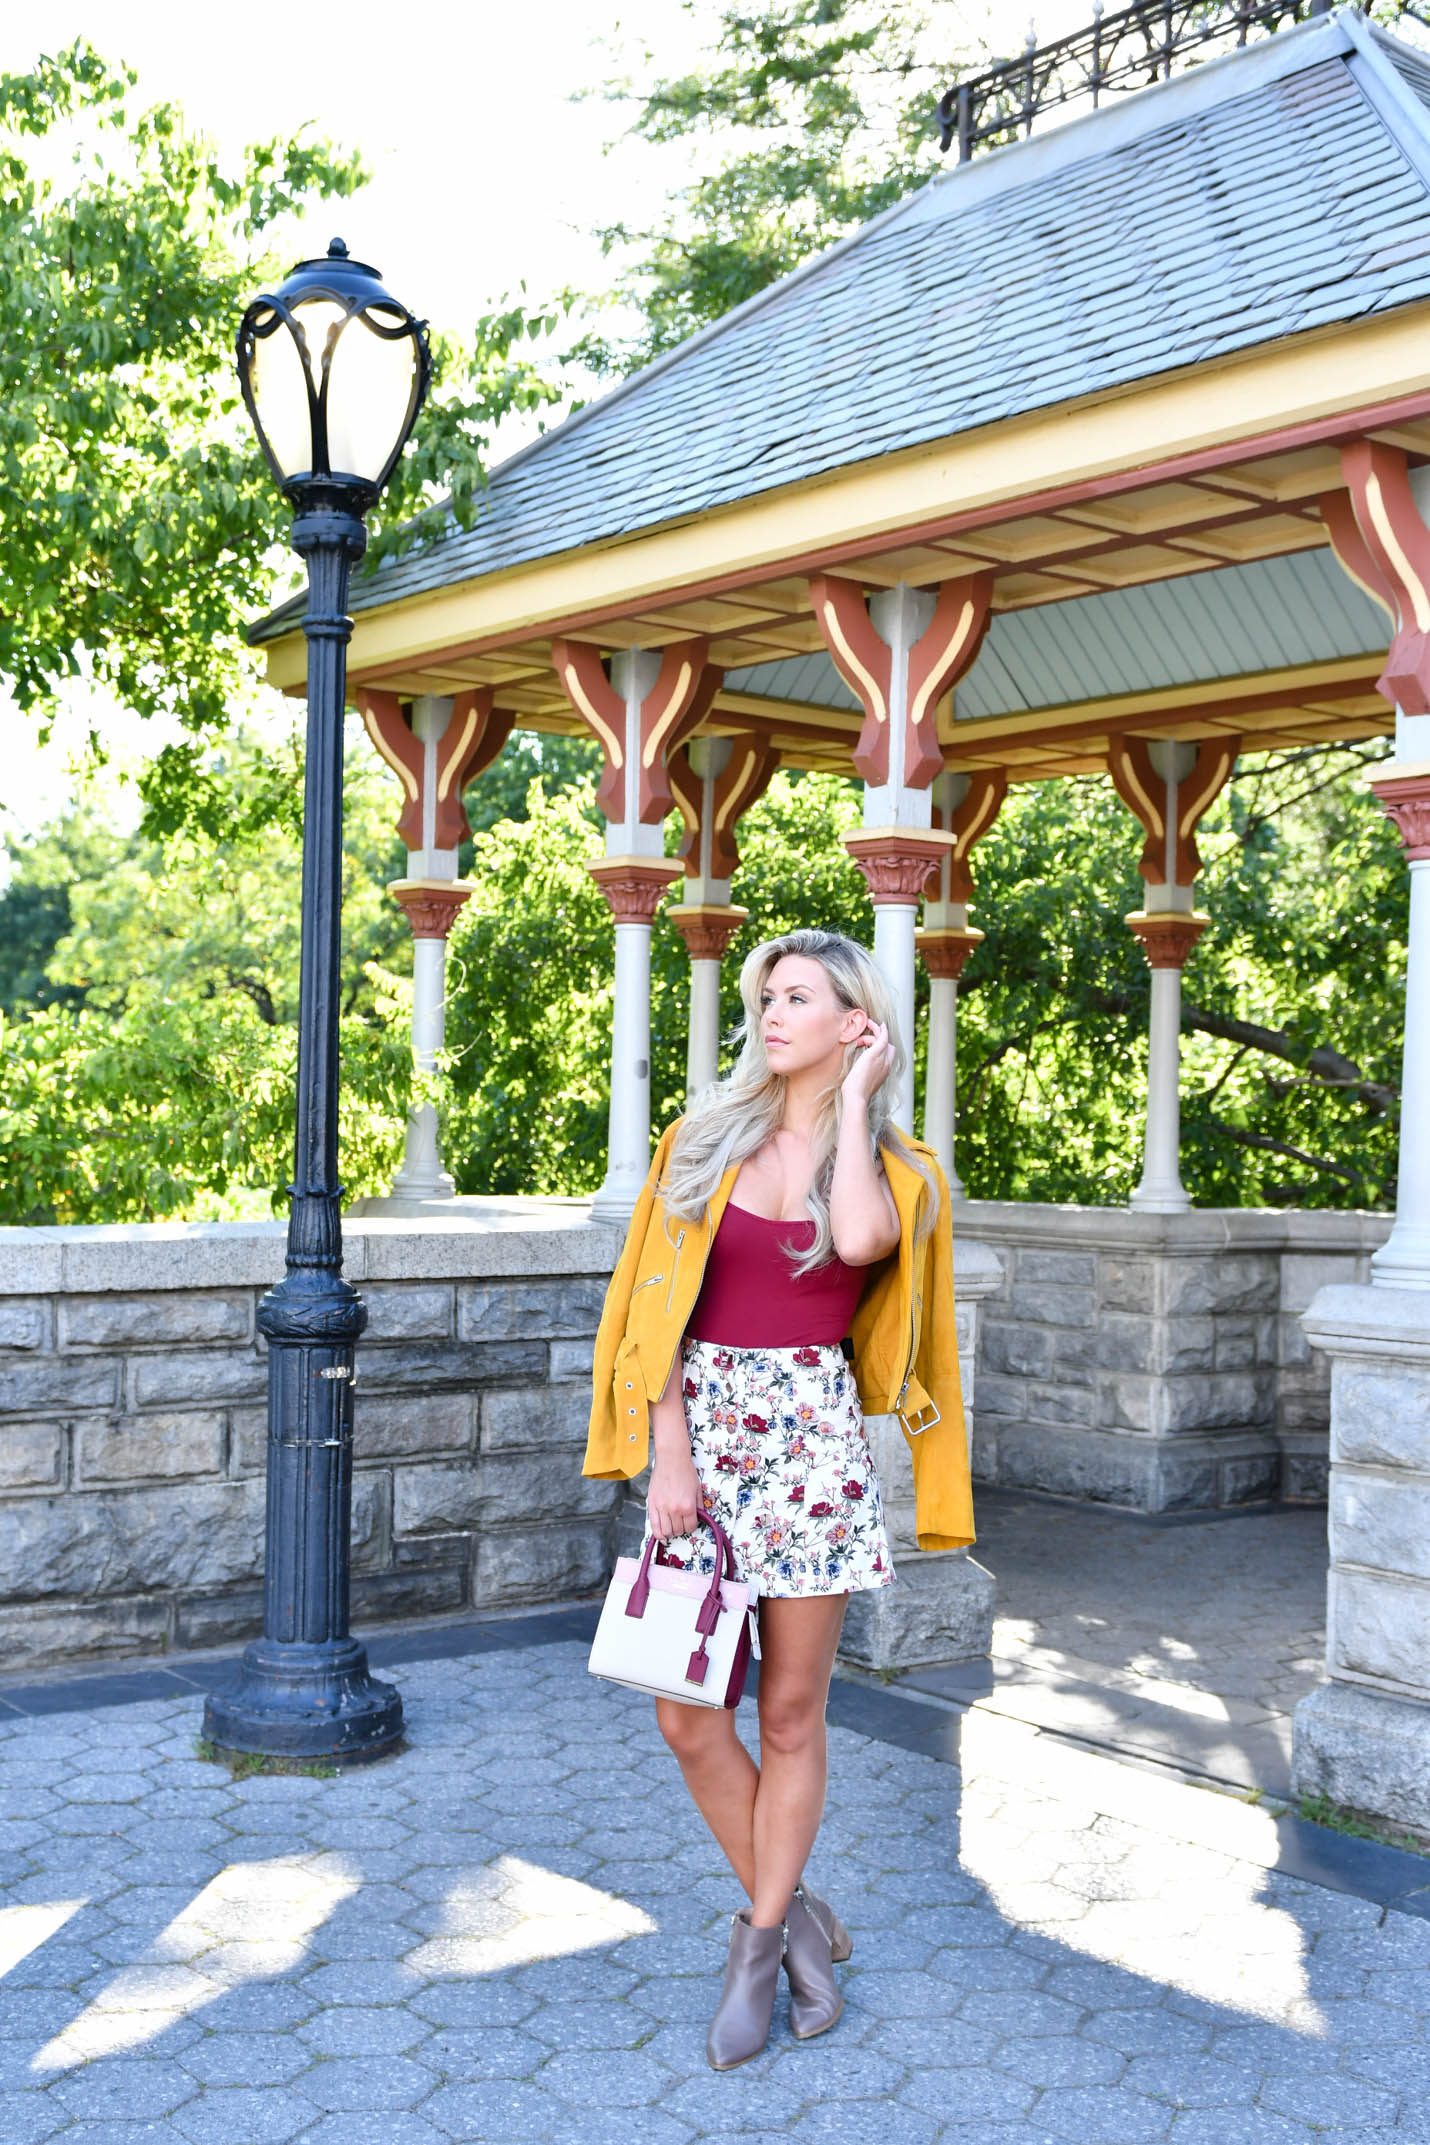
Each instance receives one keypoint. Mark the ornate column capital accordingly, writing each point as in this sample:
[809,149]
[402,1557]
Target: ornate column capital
[1406,800]
[1167,935]
[431,906]
[945,952]
[897,861]
[634,886]
[707,928]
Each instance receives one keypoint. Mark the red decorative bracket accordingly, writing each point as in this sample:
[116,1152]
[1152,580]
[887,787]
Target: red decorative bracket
[475,733]
[744,778]
[1379,535]
[1144,792]
[676,704]
[863,658]
[968,823]
[943,652]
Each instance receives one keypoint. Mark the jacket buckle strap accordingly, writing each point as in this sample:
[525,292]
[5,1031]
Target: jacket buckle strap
[924,1418]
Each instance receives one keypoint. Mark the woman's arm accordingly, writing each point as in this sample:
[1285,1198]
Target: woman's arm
[674,1489]
[862,1213]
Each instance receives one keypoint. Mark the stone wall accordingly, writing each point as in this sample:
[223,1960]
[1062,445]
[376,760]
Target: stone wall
[133,1426]
[1149,1361]
[1157,1361]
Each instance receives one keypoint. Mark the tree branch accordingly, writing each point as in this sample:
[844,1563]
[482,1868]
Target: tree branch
[1265,1144]
[1329,1066]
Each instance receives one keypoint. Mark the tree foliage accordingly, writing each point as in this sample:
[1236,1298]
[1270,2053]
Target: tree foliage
[139,527]
[158,1079]
[811,116]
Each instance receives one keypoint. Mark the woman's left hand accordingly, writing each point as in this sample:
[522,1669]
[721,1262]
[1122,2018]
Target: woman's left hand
[873,1064]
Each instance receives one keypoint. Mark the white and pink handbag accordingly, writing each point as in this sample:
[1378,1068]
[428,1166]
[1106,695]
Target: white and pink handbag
[676,1633]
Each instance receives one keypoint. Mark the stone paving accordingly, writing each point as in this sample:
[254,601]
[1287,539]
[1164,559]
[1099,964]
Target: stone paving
[514,1931]
[1188,1643]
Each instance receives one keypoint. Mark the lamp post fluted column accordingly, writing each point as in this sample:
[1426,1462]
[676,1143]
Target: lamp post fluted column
[305,1689]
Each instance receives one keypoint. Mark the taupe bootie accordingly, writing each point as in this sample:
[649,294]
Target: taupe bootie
[815,2001]
[741,2025]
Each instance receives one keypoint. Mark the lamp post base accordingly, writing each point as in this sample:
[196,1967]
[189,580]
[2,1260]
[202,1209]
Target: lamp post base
[297,1700]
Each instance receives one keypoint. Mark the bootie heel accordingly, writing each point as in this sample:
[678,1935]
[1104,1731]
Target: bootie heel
[741,2025]
[841,1943]
[815,2002]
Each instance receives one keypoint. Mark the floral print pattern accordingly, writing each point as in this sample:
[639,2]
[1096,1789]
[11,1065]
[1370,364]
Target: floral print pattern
[778,1442]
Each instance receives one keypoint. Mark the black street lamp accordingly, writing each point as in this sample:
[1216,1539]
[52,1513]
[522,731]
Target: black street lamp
[333,373]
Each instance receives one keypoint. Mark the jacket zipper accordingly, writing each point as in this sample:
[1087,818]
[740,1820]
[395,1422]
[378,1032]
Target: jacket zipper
[913,1351]
[649,1282]
[670,1292]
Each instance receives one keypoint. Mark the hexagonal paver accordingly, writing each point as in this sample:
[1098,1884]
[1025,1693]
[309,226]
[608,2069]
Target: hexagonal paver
[124,2086]
[251,2059]
[222,2115]
[365,2082]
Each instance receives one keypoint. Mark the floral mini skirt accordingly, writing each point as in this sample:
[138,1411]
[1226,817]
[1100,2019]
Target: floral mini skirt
[778,1440]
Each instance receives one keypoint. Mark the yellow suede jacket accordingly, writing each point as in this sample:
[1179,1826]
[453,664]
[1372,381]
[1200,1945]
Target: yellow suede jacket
[905,1345]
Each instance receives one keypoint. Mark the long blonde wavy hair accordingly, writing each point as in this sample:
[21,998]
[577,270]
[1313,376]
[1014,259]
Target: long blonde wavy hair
[733,1118]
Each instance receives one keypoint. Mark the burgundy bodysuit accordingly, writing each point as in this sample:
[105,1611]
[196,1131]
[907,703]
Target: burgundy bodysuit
[751,1298]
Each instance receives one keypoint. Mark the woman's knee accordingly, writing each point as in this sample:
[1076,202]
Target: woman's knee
[692,1732]
[790,1721]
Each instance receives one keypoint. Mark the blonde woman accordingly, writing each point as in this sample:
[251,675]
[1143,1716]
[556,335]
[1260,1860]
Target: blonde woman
[785,1215]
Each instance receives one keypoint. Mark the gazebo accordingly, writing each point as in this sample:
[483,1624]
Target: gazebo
[1105,450]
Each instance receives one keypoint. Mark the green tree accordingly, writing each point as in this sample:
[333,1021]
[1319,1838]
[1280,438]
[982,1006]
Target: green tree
[138,527]
[1292,1001]
[811,116]
[159,1079]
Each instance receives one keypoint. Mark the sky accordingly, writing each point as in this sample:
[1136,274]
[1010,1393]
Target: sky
[490,167]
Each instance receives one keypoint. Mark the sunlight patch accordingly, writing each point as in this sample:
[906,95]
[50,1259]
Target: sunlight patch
[545,1916]
[25,1929]
[253,1920]
[1183,1905]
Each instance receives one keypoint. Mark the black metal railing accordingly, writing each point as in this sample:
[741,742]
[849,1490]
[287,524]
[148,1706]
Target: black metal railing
[1122,51]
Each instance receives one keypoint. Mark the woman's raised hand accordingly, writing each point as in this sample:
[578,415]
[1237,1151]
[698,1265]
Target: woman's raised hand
[873,1064]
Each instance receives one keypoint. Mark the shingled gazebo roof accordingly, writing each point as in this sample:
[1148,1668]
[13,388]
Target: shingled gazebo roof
[1255,203]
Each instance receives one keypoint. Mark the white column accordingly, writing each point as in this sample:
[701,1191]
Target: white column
[1403,1261]
[899,615]
[942,914]
[422,1175]
[894,923]
[1160,1191]
[633,674]
[940,1076]
[628,1139]
[702,893]
[702,1050]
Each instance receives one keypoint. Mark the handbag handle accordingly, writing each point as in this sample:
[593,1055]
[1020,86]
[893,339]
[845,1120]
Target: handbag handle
[711,1606]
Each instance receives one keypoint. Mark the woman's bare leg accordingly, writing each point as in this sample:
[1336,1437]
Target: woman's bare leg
[721,1775]
[798,1642]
